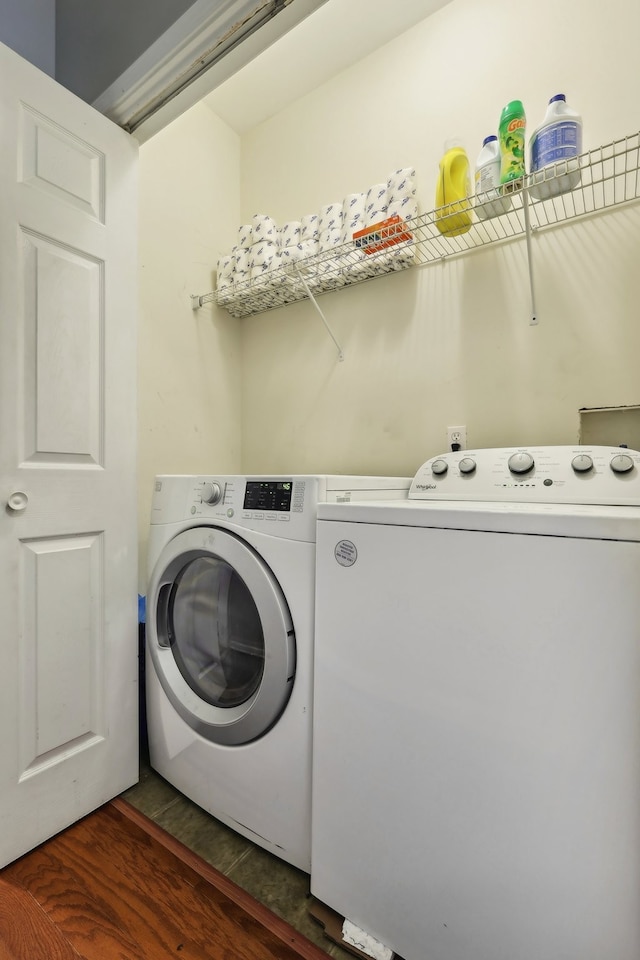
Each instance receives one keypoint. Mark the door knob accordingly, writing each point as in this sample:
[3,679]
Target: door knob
[18,501]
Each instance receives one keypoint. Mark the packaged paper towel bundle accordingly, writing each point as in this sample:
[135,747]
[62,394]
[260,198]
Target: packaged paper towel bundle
[375,212]
[356,263]
[376,206]
[386,239]
[402,202]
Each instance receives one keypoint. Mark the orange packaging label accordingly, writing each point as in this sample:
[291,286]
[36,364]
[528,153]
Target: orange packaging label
[379,236]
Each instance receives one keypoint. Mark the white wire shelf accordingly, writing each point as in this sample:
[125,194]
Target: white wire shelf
[599,179]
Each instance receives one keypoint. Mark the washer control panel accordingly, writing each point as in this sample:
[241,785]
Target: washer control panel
[558,474]
[282,506]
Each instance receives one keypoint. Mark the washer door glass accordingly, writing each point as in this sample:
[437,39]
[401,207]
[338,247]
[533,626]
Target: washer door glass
[220,635]
[218,641]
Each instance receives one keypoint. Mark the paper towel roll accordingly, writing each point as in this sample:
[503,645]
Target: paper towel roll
[357,265]
[309,247]
[290,254]
[402,256]
[276,276]
[259,276]
[353,214]
[245,235]
[376,203]
[300,259]
[406,208]
[224,279]
[242,268]
[399,178]
[309,227]
[225,297]
[290,233]
[241,262]
[264,228]
[408,190]
[329,278]
[262,254]
[225,267]
[330,217]
[328,239]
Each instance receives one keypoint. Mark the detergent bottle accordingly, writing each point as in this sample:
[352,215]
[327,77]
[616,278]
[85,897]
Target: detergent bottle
[555,147]
[511,132]
[453,189]
[489,201]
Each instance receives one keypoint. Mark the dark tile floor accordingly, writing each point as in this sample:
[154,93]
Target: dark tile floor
[279,886]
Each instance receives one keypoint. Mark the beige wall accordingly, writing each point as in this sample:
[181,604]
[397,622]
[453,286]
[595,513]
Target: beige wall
[447,343]
[189,361]
[437,345]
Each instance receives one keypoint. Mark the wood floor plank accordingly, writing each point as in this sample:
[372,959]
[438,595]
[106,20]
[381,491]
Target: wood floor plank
[304,949]
[25,928]
[114,891]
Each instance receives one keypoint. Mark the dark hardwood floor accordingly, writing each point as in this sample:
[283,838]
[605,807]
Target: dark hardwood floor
[115,886]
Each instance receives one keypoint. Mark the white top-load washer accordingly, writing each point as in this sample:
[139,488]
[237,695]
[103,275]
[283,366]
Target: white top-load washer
[229,643]
[476,772]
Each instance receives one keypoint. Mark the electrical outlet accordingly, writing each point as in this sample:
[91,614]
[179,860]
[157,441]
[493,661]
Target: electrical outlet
[458,436]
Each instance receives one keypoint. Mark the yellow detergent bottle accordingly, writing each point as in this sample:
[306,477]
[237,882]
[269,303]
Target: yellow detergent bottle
[453,213]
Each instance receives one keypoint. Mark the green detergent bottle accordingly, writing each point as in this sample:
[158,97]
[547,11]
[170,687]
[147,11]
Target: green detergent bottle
[511,134]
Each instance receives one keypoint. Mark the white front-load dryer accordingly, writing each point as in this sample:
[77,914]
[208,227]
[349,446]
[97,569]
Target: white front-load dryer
[229,644]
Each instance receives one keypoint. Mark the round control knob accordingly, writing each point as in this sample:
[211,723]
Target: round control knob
[211,492]
[521,463]
[439,468]
[621,463]
[582,463]
[467,465]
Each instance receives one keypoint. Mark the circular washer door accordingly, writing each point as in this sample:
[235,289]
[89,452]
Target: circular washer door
[220,635]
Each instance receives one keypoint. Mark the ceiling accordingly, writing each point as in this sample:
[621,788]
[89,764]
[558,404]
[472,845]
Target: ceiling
[328,41]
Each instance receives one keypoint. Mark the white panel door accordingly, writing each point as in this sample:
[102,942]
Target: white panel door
[68,584]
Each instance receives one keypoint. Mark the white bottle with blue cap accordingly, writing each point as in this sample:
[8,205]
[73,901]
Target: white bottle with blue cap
[490,200]
[554,151]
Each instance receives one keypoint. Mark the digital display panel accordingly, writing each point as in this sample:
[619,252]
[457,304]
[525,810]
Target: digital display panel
[268,495]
